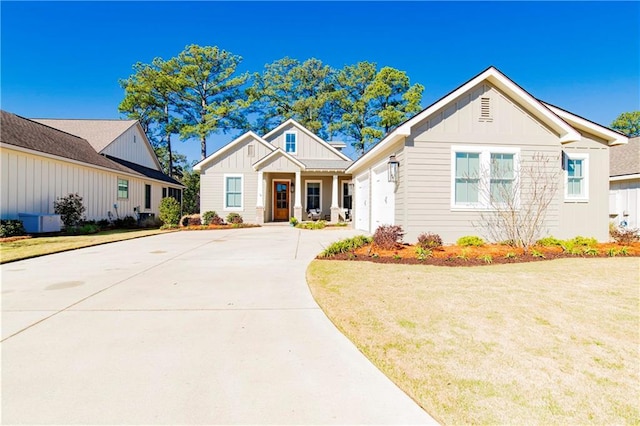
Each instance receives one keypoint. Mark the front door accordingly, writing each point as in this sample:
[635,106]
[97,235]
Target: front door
[280,201]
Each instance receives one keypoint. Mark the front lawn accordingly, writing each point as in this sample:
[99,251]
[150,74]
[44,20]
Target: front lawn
[32,247]
[553,342]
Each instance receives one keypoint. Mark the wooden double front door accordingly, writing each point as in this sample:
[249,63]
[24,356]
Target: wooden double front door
[281,200]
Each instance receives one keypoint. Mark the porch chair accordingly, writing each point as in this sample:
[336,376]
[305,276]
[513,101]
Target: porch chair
[314,214]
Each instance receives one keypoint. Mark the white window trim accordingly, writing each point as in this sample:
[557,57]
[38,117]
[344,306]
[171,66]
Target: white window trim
[118,188]
[484,186]
[291,132]
[584,197]
[306,193]
[224,192]
[342,184]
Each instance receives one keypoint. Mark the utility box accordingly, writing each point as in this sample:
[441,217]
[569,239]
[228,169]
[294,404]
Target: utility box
[37,223]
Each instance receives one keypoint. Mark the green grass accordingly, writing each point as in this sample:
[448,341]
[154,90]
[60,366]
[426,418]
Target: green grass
[33,247]
[553,342]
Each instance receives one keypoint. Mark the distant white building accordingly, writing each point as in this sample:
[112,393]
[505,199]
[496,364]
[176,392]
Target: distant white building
[624,184]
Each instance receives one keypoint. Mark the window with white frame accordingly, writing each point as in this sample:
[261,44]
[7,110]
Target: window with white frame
[576,170]
[313,195]
[290,142]
[484,177]
[123,188]
[233,192]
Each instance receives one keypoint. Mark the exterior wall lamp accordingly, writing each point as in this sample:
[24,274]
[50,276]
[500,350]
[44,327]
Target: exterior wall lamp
[393,166]
[292,188]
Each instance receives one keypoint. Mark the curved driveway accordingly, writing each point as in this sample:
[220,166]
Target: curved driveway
[185,328]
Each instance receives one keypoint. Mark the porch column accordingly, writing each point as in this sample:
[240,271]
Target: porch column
[297,206]
[335,208]
[260,199]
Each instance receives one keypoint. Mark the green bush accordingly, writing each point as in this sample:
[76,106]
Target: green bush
[169,211]
[234,218]
[320,224]
[293,221]
[151,222]
[387,236]
[208,217]
[70,209]
[127,222]
[84,229]
[11,228]
[422,253]
[584,241]
[429,241]
[470,240]
[103,224]
[346,245]
[549,241]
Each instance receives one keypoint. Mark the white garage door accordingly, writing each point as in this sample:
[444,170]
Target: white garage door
[362,202]
[382,198]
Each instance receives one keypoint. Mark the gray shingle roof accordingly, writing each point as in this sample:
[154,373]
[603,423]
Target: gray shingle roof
[625,159]
[99,133]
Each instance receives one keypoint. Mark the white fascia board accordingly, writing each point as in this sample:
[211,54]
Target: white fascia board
[624,177]
[612,138]
[307,132]
[278,151]
[230,145]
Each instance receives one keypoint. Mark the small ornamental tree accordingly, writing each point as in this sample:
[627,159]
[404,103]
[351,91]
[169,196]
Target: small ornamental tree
[70,209]
[169,211]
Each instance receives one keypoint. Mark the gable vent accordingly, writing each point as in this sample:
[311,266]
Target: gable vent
[485,109]
[251,151]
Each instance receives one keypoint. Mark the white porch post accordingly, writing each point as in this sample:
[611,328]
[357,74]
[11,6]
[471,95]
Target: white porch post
[297,206]
[260,199]
[335,208]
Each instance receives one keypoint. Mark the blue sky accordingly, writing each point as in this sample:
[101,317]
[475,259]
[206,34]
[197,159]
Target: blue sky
[64,59]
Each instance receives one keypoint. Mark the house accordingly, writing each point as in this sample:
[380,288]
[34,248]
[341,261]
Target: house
[437,172]
[624,184]
[110,163]
[288,172]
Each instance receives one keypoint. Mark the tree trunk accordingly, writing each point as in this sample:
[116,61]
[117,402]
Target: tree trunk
[168,136]
[203,148]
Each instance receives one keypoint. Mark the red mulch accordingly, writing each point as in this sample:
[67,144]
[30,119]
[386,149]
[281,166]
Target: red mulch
[11,239]
[470,256]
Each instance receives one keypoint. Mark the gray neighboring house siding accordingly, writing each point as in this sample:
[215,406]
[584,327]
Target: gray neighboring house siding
[624,184]
[425,146]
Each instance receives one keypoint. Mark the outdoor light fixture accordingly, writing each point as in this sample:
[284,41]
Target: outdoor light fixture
[292,187]
[393,165]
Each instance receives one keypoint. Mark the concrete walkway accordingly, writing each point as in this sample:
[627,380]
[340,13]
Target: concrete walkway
[211,327]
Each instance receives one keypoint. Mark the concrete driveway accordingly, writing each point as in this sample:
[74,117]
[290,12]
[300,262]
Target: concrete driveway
[185,328]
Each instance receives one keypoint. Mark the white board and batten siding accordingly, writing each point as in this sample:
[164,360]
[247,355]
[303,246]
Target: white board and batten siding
[238,161]
[131,146]
[307,146]
[624,200]
[31,183]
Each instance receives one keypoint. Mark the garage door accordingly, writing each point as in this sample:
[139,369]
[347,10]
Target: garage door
[382,198]
[362,202]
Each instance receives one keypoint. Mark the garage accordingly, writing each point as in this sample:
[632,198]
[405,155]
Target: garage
[382,198]
[362,202]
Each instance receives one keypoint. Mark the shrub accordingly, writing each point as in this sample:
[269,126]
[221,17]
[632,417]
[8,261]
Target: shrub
[549,241]
[151,222]
[486,258]
[70,209]
[127,222]
[103,224]
[584,241]
[293,221]
[470,240]
[190,220]
[346,245]
[625,236]
[591,251]
[320,224]
[85,229]
[429,241]
[169,211]
[11,228]
[422,253]
[208,216]
[387,236]
[234,218]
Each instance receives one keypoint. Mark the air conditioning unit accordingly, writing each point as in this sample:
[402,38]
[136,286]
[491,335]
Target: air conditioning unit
[37,223]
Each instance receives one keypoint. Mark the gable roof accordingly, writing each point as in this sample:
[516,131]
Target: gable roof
[308,132]
[611,136]
[99,133]
[497,79]
[232,144]
[30,135]
[275,153]
[624,159]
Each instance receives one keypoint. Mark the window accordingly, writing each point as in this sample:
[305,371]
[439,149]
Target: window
[176,193]
[134,138]
[123,188]
[233,192]
[483,177]
[313,195]
[147,196]
[164,192]
[347,197]
[251,150]
[576,169]
[290,142]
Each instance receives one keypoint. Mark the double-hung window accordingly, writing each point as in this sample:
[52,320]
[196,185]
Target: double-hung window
[233,192]
[484,177]
[313,195]
[123,188]
[576,169]
[290,142]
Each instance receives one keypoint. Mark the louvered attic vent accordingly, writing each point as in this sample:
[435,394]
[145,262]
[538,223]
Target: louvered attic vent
[485,109]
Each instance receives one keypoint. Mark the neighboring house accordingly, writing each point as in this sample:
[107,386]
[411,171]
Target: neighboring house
[446,154]
[624,184]
[109,163]
[289,172]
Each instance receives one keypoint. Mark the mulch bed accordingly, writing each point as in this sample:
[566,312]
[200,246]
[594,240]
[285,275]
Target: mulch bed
[12,239]
[489,254]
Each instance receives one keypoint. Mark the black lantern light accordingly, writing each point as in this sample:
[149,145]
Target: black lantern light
[393,166]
